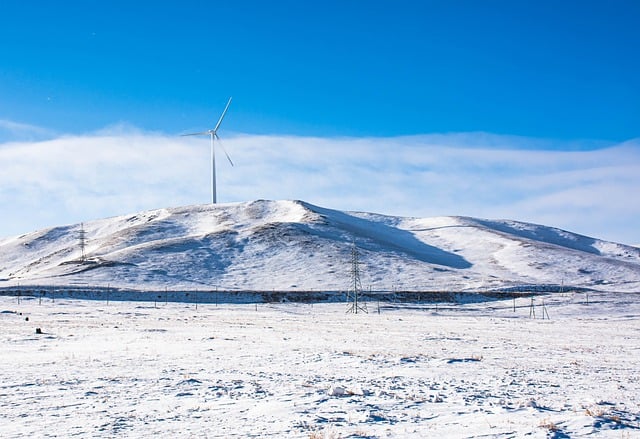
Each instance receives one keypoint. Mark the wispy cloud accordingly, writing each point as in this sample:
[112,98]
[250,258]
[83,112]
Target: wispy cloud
[11,130]
[590,190]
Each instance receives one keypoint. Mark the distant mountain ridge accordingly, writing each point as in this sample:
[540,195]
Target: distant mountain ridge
[293,245]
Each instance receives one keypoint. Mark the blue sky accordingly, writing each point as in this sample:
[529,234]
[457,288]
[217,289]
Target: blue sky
[513,76]
[550,69]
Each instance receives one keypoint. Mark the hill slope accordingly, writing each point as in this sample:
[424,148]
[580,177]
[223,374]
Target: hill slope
[288,245]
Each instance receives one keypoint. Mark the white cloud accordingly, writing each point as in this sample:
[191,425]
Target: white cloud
[121,170]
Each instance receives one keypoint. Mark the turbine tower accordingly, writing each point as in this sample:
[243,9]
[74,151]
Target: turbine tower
[213,134]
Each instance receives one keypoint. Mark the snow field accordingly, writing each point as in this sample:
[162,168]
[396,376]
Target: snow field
[131,369]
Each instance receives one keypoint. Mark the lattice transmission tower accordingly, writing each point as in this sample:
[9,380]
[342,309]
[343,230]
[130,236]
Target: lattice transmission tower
[82,240]
[355,288]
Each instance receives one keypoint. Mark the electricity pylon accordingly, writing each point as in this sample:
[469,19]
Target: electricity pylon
[355,288]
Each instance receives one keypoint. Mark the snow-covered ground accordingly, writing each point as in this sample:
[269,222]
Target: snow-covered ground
[136,369]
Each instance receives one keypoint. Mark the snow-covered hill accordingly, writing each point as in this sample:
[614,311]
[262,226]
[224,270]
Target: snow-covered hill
[293,245]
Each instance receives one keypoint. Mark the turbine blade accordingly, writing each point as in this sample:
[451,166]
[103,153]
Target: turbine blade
[223,149]
[196,134]
[222,115]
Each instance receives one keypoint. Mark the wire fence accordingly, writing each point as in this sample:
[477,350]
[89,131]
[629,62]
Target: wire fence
[215,295]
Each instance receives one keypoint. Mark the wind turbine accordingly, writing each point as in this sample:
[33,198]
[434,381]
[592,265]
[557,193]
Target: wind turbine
[213,133]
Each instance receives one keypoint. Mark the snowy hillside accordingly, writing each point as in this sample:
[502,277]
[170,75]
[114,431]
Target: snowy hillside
[293,245]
